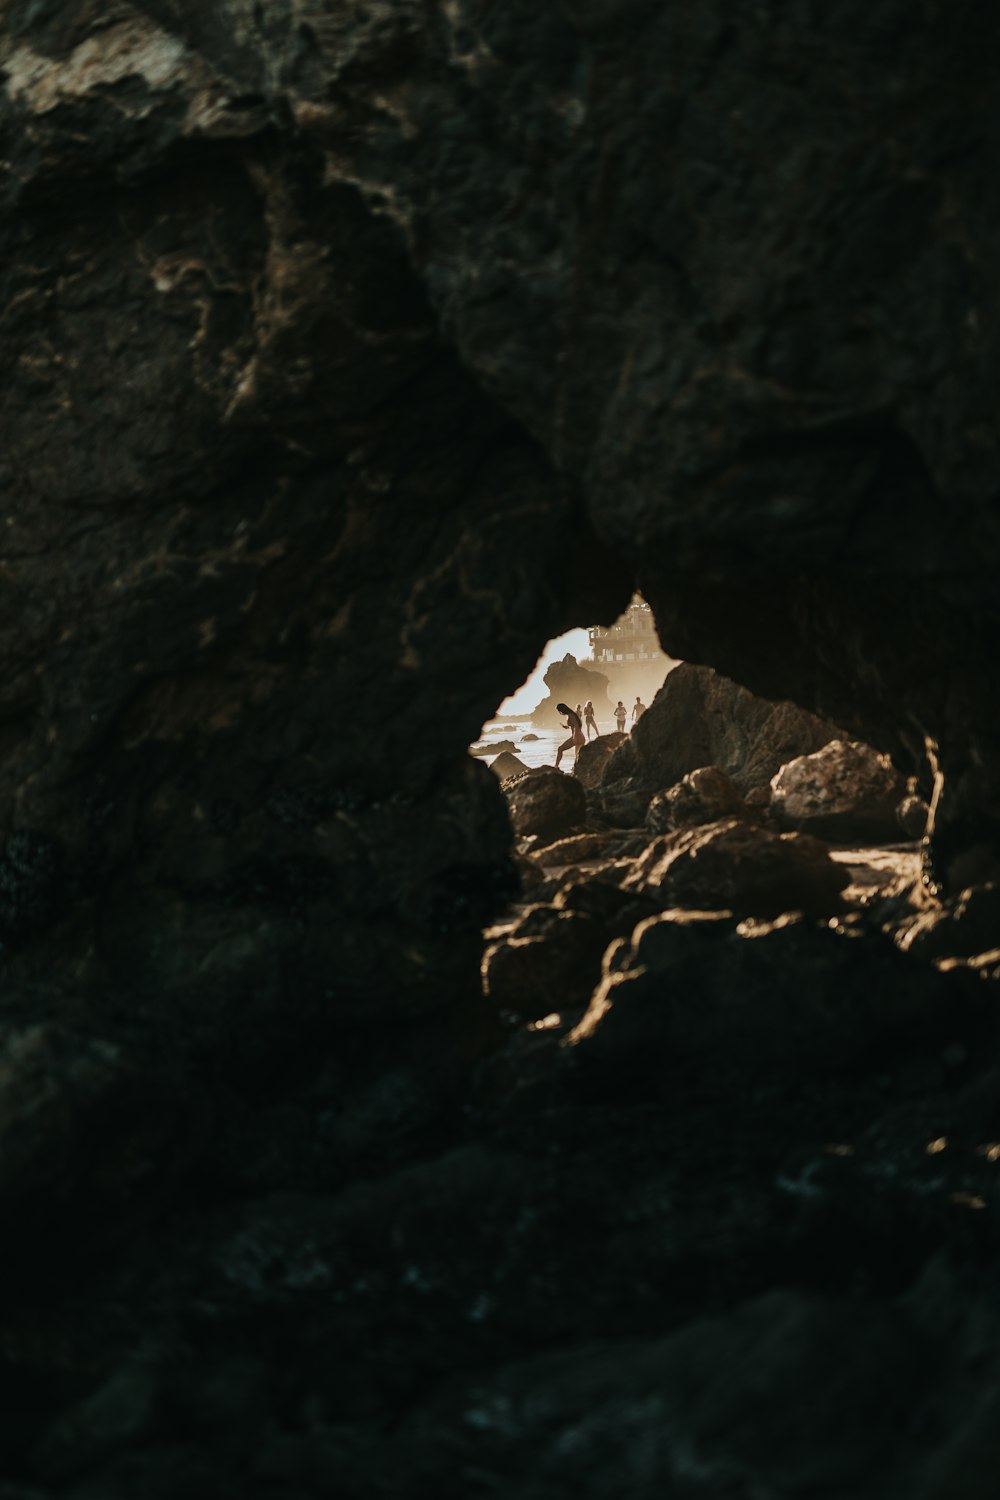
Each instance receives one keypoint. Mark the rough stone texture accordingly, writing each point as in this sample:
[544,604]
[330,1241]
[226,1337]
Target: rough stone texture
[845,791]
[700,719]
[703,796]
[349,353]
[593,759]
[506,765]
[547,802]
[568,682]
[549,962]
[731,865]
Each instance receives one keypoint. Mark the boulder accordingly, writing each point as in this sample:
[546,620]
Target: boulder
[550,961]
[546,802]
[594,757]
[700,719]
[507,764]
[527,738]
[703,796]
[493,747]
[845,791]
[735,866]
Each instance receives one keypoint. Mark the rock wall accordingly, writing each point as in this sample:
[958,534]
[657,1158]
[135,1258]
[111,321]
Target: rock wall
[351,351]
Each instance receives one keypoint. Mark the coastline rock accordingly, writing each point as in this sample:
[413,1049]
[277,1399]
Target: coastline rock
[594,758]
[703,796]
[968,924]
[547,802]
[507,764]
[734,866]
[568,682]
[845,791]
[700,719]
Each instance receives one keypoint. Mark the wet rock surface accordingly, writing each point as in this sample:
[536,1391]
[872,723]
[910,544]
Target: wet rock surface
[349,354]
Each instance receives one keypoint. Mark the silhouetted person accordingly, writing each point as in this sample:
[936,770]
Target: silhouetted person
[575,727]
[638,709]
[621,714]
[589,718]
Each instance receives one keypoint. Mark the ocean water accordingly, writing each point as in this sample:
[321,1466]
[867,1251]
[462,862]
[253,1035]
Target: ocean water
[540,752]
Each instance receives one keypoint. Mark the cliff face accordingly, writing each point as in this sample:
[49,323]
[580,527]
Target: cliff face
[350,352]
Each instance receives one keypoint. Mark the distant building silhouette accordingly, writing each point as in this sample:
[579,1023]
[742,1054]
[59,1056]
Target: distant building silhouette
[631,638]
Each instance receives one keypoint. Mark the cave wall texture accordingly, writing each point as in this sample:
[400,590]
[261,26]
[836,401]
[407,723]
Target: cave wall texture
[350,350]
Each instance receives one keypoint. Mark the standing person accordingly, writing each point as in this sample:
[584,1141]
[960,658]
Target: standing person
[575,728]
[621,714]
[591,721]
[638,709]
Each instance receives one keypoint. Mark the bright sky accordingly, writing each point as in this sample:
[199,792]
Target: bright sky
[531,693]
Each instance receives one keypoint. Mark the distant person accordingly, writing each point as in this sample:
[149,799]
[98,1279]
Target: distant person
[590,718]
[638,709]
[575,726]
[621,714]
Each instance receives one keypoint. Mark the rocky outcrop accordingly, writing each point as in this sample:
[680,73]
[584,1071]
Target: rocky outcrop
[845,791]
[698,720]
[568,682]
[732,865]
[350,353]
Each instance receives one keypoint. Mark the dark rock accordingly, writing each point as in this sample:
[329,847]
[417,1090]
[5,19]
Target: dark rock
[912,814]
[549,962]
[350,353]
[703,796]
[968,924]
[579,846]
[594,757]
[493,747]
[548,802]
[507,764]
[526,738]
[710,1401]
[845,791]
[734,866]
[697,1003]
[699,719]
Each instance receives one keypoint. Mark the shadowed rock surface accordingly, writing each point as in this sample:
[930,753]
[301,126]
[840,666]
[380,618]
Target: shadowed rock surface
[350,352]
